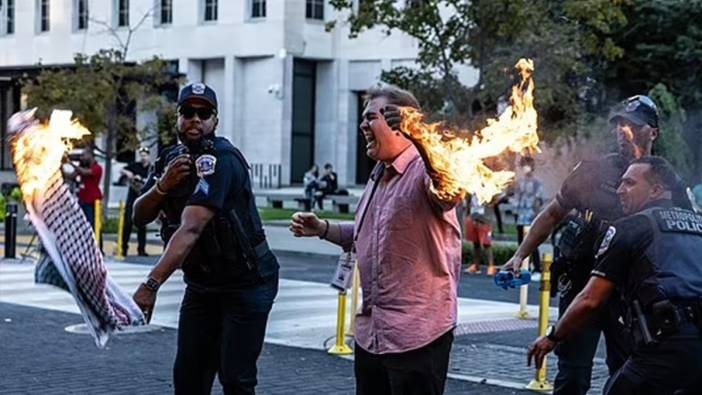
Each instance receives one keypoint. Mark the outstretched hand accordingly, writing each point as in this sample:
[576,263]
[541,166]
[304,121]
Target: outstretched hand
[304,224]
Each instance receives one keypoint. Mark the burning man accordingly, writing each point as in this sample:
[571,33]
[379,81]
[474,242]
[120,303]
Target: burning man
[590,189]
[409,252]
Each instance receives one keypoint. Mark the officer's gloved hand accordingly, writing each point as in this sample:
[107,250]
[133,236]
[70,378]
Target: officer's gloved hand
[178,171]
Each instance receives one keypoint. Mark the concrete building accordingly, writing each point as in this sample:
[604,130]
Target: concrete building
[290,92]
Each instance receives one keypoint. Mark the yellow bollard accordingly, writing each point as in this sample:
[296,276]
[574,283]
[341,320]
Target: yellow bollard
[340,348]
[354,300]
[540,382]
[120,229]
[98,222]
[523,314]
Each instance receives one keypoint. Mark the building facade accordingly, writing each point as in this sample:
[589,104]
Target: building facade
[290,92]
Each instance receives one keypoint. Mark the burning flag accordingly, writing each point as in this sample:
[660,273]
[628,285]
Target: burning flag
[76,263]
[459,162]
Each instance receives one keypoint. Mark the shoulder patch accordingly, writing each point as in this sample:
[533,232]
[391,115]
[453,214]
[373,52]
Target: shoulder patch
[205,165]
[606,241]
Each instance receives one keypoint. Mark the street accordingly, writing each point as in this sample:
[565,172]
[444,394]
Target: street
[39,355]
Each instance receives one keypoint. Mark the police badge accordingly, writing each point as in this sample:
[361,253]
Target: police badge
[205,165]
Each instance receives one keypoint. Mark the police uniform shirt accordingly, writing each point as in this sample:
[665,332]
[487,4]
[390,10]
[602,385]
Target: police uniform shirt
[628,258]
[221,182]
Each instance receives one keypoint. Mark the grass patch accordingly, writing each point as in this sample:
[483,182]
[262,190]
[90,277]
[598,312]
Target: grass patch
[273,214]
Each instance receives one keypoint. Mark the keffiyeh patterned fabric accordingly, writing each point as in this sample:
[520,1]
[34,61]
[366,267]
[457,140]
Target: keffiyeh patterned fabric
[76,263]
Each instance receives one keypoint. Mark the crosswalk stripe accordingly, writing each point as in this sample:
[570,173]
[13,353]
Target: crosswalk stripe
[303,315]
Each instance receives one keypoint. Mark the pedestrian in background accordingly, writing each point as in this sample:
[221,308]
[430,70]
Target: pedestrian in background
[478,230]
[529,194]
[310,181]
[408,247]
[213,231]
[135,174]
[90,173]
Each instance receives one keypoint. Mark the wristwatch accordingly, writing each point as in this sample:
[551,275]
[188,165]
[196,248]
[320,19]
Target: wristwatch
[551,334]
[152,284]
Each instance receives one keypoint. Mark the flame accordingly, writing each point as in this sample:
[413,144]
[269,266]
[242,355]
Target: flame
[459,162]
[38,150]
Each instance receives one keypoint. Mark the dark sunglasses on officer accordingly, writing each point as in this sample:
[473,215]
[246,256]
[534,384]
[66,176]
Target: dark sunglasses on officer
[204,113]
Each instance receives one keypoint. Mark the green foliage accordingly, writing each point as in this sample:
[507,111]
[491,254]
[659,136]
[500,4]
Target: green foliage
[501,253]
[100,89]
[671,144]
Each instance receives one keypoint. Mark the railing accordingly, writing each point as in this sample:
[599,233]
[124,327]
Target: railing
[266,175]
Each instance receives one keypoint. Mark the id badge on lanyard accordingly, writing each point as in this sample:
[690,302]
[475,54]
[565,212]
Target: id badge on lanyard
[344,271]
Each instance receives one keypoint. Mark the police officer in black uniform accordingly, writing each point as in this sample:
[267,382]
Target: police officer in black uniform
[652,259]
[590,191]
[201,190]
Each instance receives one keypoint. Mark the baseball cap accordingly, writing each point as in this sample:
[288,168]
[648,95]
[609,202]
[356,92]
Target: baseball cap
[197,90]
[639,109]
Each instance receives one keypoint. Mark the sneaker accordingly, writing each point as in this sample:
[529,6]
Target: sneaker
[491,270]
[143,253]
[474,268]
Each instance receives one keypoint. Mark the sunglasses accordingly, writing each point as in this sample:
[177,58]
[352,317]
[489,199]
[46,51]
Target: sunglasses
[204,113]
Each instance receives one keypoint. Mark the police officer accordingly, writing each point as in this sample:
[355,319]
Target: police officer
[652,259]
[590,189]
[201,190]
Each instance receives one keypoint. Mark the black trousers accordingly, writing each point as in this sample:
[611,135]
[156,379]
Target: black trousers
[127,229]
[222,333]
[576,354]
[674,366]
[421,371]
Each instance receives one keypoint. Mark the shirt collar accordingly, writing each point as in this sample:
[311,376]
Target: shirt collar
[665,203]
[409,155]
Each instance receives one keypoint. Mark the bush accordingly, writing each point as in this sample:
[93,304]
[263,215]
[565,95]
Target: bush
[501,253]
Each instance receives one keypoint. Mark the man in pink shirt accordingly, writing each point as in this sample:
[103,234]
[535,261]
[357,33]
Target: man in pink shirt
[408,247]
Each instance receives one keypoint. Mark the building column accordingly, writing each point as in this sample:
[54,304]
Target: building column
[229,101]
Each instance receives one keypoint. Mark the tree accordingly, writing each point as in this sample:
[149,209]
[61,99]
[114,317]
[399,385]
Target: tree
[491,35]
[103,90]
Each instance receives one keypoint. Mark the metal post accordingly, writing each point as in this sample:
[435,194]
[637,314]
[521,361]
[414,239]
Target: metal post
[523,314]
[10,229]
[540,382]
[120,231]
[354,300]
[98,223]
[340,348]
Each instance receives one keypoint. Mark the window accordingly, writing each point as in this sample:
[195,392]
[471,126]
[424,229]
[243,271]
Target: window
[210,10]
[166,14]
[315,9]
[43,22]
[7,7]
[258,8]
[122,13]
[81,10]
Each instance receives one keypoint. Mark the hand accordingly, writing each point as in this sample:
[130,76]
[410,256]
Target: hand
[538,350]
[393,116]
[178,170]
[145,299]
[514,264]
[306,224]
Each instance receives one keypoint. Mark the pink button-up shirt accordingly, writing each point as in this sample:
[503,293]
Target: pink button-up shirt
[409,252]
